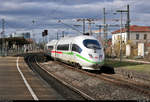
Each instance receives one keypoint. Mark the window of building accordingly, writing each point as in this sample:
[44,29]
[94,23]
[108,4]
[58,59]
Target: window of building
[119,37]
[137,36]
[64,47]
[76,48]
[145,36]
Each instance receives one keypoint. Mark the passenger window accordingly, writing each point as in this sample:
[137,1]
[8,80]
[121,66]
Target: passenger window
[76,48]
[63,47]
[50,47]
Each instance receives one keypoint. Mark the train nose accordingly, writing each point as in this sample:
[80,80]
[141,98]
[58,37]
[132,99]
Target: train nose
[96,57]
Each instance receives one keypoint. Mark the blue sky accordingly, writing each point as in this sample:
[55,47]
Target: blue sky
[19,14]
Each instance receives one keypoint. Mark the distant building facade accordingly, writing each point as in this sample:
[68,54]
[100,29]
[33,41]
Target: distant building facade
[138,34]
[25,35]
[138,43]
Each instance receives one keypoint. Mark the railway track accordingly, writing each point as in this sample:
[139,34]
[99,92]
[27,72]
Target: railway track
[66,90]
[114,79]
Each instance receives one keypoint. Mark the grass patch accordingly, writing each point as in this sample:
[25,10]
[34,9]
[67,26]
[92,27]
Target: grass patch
[115,63]
[139,68]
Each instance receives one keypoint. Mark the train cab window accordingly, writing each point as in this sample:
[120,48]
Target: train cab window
[91,44]
[50,47]
[64,47]
[76,48]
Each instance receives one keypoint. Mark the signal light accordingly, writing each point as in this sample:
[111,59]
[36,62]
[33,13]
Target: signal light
[90,56]
[86,33]
[45,33]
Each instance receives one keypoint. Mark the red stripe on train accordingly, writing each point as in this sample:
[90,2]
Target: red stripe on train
[56,52]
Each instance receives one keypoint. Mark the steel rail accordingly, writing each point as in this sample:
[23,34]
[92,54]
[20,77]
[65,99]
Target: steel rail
[117,81]
[48,74]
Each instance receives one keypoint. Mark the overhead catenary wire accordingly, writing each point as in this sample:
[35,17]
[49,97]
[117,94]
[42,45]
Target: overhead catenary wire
[69,26]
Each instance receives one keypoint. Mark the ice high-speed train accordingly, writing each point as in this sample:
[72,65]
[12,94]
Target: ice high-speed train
[82,51]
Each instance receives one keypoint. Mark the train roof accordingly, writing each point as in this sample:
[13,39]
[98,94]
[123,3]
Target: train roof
[75,39]
[82,37]
[85,37]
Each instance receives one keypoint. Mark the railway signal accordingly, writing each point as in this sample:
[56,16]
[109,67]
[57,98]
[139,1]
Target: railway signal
[45,33]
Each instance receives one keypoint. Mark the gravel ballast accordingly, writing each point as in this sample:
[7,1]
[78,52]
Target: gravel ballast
[96,88]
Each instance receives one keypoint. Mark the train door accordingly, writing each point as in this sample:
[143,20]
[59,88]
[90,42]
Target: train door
[72,55]
[76,52]
[54,54]
[55,50]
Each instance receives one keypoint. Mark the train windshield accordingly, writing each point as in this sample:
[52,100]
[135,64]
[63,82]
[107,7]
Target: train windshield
[91,44]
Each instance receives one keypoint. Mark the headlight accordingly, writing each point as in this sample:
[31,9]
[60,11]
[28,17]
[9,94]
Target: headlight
[90,56]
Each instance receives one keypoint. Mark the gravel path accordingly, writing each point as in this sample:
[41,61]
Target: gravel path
[98,89]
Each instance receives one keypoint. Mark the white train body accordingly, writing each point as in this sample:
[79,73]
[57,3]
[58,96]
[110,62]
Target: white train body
[83,50]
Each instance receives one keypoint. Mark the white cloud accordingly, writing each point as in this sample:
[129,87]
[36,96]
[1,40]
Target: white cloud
[47,13]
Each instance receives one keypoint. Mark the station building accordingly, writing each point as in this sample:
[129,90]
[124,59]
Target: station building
[15,44]
[139,39]
[138,34]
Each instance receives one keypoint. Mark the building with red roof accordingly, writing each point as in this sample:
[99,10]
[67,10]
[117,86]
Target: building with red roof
[138,34]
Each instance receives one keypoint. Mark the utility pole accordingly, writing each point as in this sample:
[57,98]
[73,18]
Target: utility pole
[128,28]
[104,29]
[89,26]
[83,20]
[104,23]
[99,27]
[121,11]
[3,37]
[121,37]
[83,26]
[89,22]
[57,35]
[3,28]
[63,33]
[128,23]
[33,21]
